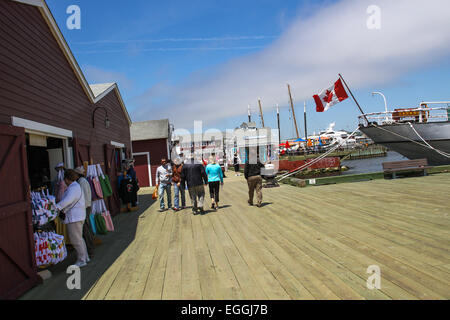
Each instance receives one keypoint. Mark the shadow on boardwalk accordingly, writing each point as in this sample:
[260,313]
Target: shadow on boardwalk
[112,246]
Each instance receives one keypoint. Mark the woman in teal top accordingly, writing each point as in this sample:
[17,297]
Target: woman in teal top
[215,179]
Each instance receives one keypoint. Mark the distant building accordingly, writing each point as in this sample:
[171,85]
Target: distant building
[151,141]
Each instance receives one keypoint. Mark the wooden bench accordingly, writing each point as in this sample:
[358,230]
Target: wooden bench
[406,166]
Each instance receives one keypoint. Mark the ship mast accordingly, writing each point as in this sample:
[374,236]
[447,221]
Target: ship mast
[293,112]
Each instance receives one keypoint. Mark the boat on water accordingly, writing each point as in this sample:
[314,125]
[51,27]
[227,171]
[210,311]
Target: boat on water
[415,133]
[337,136]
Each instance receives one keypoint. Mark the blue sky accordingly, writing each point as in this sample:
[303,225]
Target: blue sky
[164,53]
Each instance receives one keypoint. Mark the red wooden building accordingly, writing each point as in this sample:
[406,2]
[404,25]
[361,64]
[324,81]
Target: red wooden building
[48,113]
[151,142]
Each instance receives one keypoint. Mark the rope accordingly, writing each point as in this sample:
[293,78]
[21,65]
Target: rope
[306,165]
[426,145]
[431,147]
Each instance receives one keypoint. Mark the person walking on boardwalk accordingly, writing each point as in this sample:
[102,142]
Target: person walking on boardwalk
[164,183]
[194,176]
[178,190]
[215,180]
[252,173]
[236,162]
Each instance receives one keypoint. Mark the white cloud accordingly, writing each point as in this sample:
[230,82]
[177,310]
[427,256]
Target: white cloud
[97,75]
[309,55]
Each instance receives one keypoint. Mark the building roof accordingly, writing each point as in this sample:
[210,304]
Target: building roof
[149,130]
[50,20]
[99,88]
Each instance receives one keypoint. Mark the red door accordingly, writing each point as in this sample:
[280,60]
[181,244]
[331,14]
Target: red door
[142,167]
[111,171]
[82,151]
[17,257]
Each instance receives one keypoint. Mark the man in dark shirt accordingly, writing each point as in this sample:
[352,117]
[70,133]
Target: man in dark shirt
[252,173]
[194,176]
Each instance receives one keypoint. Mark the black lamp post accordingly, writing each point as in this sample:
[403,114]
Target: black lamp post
[106,118]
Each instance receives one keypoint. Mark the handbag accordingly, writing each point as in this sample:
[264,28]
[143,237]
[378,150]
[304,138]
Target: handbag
[92,223]
[60,186]
[105,184]
[100,222]
[107,216]
[89,178]
[96,183]
[155,194]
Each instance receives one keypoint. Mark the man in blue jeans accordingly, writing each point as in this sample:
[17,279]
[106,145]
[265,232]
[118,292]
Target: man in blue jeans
[178,189]
[164,182]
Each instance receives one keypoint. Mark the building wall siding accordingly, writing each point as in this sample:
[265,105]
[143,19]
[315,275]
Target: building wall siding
[37,83]
[157,149]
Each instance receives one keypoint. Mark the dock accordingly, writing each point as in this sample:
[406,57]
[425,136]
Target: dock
[304,243]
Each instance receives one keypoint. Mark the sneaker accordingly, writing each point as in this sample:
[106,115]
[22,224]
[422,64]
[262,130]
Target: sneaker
[249,203]
[175,209]
[80,264]
[162,210]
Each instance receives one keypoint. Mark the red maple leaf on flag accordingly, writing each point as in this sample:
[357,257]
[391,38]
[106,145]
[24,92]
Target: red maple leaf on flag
[328,96]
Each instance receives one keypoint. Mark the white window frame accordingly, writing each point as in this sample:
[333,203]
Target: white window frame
[43,129]
[148,163]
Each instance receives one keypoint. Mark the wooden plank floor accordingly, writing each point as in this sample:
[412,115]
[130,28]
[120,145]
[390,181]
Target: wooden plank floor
[304,243]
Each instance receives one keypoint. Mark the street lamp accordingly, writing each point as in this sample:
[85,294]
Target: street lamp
[385,103]
[106,117]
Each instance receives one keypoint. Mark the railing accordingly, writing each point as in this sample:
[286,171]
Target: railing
[421,115]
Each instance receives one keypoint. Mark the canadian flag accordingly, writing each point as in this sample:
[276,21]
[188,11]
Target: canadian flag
[331,96]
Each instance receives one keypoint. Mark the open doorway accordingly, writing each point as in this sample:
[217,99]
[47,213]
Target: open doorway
[44,154]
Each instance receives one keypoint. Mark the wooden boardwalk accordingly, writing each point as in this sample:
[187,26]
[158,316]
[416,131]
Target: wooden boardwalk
[310,243]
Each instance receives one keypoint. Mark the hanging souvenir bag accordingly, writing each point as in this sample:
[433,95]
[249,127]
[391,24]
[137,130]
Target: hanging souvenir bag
[100,222]
[96,182]
[107,216]
[90,177]
[60,186]
[92,223]
[104,183]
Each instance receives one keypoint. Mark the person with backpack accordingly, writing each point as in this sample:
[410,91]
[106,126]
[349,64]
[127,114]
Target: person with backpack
[177,188]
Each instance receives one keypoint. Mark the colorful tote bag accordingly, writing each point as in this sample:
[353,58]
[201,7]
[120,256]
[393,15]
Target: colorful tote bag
[100,222]
[92,223]
[96,183]
[107,216]
[90,179]
[104,183]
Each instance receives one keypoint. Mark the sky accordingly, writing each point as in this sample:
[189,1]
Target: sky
[208,60]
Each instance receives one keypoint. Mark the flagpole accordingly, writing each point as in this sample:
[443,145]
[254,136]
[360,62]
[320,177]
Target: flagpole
[362,112]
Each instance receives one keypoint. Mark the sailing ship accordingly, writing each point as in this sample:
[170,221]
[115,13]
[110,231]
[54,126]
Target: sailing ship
[415,133]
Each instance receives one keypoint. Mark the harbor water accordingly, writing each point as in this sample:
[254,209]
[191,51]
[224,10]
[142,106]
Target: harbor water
[370,165]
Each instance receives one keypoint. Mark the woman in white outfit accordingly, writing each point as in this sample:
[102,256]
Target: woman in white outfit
[73,206]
